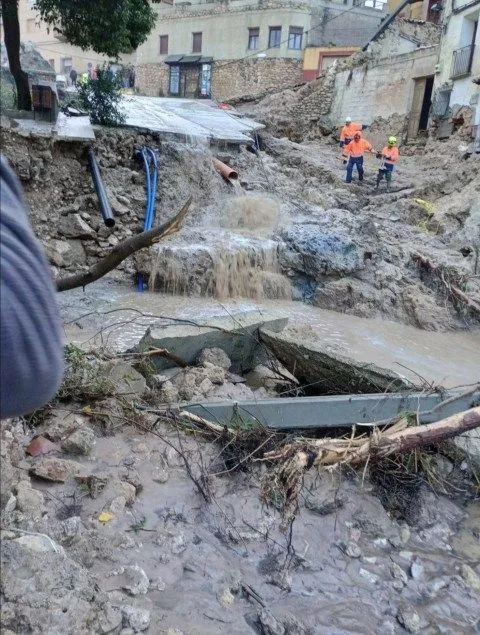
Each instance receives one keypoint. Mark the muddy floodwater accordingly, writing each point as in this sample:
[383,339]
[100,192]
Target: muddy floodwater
[442,358]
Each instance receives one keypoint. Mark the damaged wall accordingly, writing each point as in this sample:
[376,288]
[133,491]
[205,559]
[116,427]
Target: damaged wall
[381,88]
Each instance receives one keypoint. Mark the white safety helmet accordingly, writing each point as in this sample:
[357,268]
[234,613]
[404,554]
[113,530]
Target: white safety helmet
[348,120]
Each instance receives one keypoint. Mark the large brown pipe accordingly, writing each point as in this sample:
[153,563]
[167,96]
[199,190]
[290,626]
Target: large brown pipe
[224,170]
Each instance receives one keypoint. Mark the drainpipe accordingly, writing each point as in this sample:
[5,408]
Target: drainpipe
[388,21]
[226,171]
[105,208]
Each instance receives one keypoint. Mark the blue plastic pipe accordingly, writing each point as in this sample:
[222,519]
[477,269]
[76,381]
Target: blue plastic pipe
[151,179]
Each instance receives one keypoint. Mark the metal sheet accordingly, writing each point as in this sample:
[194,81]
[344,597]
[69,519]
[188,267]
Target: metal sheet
[333,411]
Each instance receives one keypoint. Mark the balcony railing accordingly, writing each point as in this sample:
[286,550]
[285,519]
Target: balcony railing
[462,61]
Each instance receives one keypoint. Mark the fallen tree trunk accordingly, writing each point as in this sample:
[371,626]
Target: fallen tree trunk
[396,439]
[121,251]
[285,479]
[455,291]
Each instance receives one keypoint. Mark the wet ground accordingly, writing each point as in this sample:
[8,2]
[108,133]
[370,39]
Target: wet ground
[444,359]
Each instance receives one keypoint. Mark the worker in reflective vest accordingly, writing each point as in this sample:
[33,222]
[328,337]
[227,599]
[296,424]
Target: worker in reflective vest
[355,151]
[389,156]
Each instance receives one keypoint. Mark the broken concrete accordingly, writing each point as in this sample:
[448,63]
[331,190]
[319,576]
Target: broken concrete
[328,370]
[237,337]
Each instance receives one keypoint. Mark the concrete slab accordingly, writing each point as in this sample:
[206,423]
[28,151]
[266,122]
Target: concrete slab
[333,411]
[73,128]
[190,118]
[238,337]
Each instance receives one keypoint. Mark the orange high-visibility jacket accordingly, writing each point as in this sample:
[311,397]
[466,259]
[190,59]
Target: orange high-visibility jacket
[349,130]
[357,149]
[390,154]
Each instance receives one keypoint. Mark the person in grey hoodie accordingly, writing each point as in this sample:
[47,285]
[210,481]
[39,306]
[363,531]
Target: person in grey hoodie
[31,350]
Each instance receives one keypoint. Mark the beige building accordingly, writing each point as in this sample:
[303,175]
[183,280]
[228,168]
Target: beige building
[243,47]
[61,55]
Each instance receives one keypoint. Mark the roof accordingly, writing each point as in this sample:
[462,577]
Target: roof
[188,59]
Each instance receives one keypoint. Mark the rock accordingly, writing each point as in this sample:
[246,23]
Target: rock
[127,490]
[409,618]
[40,445]
[417,570]
[293,626]
[119,208]
[262,376]
[137,619]
[94,484]
[205,387]
[110,620]
[369,576]
[352,550]
[179,544]
[73,226]
[316,254]
[235,336]
[215,356]
[160,475]
[470,577]
[168,393]
[117,505]
[57,470]
[469,442]
[226,597]
[69,530]
[126,380]
[325,505]
[63,253]
[237,392]
[216,374]
[39,543]
[10,505]
[30,502]
[158,585]
[44,590]
[137,582]
[398,573]
[269,624]
[80,442]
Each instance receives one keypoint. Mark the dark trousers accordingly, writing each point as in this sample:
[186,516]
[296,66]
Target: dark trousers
[386,171]
[352,162]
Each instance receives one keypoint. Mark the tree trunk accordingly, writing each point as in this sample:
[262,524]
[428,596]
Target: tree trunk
[121,251]
[12,44]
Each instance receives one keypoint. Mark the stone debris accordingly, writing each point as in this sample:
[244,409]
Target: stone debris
[136,618]
[57,470]
[40,445]
[409,618]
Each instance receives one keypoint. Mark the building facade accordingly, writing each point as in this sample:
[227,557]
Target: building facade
[61,55]
[244,47]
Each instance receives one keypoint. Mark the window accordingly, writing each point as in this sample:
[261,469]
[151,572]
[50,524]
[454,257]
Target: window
[274,36]
[52,63]
[163,45]
[196,42]
[295,35]
[253,38]
[66,64]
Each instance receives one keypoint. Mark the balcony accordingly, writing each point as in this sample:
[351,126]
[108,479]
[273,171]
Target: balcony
[462,61]
[461,5]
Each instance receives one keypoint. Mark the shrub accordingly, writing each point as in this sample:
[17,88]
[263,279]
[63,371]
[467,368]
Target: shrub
[101,97]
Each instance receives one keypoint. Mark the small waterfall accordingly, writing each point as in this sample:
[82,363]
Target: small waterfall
[249,270]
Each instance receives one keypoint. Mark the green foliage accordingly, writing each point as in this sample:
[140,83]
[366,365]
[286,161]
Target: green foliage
[101,97]
[111,27]
[82,380]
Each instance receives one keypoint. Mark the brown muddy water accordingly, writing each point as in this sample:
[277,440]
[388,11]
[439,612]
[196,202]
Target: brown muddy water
[444,359]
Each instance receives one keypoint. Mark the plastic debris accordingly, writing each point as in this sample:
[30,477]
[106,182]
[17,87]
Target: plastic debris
[105,517]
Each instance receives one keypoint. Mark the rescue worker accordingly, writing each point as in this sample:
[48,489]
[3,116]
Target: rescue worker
[389,156]
[355,151]
[346,134]
[84,78]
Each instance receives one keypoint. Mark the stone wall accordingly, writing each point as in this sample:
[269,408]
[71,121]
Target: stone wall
[230,78]
[152,79]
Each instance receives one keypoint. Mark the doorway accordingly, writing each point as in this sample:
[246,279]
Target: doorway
[421,103]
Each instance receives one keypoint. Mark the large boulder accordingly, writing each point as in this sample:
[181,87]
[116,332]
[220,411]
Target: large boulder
[316,254]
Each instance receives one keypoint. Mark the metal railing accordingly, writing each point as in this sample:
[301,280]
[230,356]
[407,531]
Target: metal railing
[462,61]
[460,5]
